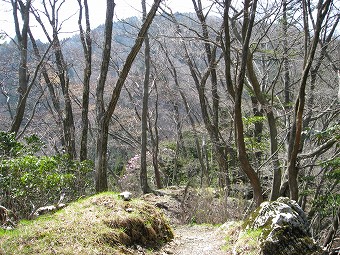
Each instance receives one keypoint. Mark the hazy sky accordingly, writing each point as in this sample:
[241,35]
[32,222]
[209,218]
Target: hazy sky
[69,11]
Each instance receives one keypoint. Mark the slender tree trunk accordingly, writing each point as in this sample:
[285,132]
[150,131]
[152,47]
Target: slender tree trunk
[179,135]
[155,143]
[86,40]
[68,121]
[143,168]
[179,142]
[242,153]
[286,82]
[101,183]
[22,37]
[102,123]
[272,129]
[236,93]
[257,135]
[286,76]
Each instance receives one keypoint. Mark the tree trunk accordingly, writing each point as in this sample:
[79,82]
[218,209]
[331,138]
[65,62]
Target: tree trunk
[272,129]
[62,73]
[85,37]
[22,37]
[68,121]
[101,183]
[102,123]
[258,128]
[143,168]
[286,76]
[155,143]
[179,134]
[242,153]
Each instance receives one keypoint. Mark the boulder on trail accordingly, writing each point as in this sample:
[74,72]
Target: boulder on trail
[282,229]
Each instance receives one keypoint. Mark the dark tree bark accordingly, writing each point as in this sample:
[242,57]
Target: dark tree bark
[68,120]
[258,126]
[143,169]
[268,108]
[85,37]
[286,82]
[22,37]
[102,123]
[286,76]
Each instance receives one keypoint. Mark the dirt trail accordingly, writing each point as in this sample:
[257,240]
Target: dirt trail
[188,239]
[196,239]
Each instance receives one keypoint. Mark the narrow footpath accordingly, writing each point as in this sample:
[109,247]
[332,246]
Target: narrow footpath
[196,239]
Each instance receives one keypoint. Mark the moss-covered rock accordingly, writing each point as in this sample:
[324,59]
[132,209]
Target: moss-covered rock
[281,228]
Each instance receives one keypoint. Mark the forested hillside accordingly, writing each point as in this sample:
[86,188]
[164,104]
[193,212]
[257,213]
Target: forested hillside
[240,97]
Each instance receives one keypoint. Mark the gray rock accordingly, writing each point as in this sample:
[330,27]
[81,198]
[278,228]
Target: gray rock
[48,209]
[284,229]
[126,195]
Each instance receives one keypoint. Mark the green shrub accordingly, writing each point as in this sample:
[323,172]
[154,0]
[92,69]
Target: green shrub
[9,146]
[28,181]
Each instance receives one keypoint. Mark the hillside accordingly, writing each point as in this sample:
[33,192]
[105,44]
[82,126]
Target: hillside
[219,110]
[160,224]
[102,224]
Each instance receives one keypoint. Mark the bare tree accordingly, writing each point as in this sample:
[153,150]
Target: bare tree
[295,135]
[62,73]
[154,136]
[104,115]
[143,168]
[85,37]
[22,37]
[249,11]
[211,120]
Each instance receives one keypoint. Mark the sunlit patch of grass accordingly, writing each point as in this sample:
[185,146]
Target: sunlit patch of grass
[249,242]
[97,225]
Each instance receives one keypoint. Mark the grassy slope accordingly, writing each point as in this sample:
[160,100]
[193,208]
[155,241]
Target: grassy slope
[96,225]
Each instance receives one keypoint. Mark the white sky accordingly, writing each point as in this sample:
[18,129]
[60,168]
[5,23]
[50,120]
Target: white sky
[123,9]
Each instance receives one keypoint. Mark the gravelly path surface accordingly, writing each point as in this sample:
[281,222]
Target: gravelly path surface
[197,239]
[188,239]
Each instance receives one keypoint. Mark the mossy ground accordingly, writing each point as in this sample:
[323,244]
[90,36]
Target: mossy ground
[102,224]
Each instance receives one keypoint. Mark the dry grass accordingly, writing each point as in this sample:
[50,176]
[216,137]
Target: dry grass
[212,207]
[103,224]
